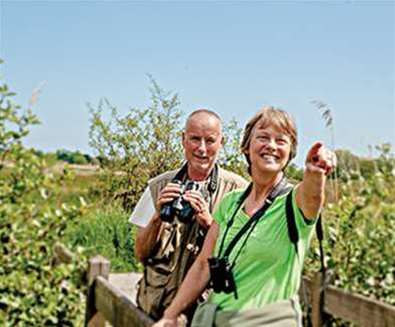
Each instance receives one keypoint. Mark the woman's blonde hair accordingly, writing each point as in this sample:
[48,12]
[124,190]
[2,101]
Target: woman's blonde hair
[270,116]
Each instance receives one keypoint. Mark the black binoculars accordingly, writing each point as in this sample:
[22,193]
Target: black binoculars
[179,208]
[221,276]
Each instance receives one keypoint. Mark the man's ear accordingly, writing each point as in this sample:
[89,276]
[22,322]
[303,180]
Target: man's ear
[222,140]
[183,138]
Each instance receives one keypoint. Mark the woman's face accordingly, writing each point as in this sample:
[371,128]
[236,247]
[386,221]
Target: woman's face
[269,149]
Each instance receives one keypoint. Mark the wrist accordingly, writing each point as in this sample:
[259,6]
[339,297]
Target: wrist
[156,218]
[209,220]
[170,314]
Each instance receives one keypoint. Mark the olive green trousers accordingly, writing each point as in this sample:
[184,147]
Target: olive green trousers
[280,314]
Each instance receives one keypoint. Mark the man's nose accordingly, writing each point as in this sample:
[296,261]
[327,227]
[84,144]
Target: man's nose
[202,146]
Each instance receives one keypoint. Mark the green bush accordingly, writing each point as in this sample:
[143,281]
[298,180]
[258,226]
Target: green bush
[360,229]
[145,143]
[33,292]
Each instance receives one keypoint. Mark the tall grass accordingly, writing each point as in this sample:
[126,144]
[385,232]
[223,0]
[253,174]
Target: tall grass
[106,232]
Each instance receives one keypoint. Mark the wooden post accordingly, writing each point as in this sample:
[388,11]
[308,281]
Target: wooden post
[98,266]
[316,294]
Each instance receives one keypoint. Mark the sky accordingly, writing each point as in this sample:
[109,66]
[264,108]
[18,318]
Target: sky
[230,56]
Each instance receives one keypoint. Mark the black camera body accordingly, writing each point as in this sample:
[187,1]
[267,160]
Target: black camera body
[179,208]
[221,276]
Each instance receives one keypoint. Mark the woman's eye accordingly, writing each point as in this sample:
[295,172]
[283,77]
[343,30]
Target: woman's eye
[282,141]
[262,137]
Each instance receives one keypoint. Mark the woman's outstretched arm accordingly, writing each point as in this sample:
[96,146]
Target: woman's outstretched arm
[310,193]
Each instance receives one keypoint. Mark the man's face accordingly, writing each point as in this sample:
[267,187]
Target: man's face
[201,140]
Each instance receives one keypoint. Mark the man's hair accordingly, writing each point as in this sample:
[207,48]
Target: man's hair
[270,116]
[203,111]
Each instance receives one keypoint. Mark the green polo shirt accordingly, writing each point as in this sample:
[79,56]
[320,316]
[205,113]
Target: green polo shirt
[267,269]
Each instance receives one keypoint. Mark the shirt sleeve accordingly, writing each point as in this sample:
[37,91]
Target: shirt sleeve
[220,215]
[144,210]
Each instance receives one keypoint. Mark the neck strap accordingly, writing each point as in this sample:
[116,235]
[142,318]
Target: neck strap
[280,188]
[213,178]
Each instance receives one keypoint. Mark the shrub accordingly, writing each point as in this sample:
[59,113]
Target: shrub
[145,143]
[33,292]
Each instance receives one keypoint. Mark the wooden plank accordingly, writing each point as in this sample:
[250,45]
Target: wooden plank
[98,266]
[354,307]
[116,308]
[126,283]
[358,308]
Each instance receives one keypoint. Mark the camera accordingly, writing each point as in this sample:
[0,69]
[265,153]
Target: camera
[221,276]
[179,208]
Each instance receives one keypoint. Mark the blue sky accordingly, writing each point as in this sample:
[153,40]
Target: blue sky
[232,57]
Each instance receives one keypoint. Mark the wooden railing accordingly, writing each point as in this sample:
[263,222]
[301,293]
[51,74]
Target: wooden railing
[107,302]
[350,307]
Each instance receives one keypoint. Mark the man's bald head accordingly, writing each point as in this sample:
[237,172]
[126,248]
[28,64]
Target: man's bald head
[202,139]
[203,113]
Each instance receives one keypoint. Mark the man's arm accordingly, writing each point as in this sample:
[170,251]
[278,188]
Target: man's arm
[310,193]
[147,237]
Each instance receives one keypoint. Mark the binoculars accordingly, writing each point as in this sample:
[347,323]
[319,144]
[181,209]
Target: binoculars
[221,276]
[179,208]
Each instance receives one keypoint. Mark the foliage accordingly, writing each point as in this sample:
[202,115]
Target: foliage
[142,144]
[32,291]
[105,231]
[145,143]
[360,227]
[74,157]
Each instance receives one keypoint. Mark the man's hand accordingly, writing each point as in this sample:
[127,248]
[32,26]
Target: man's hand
[200,206]
[168,194]
[320,159]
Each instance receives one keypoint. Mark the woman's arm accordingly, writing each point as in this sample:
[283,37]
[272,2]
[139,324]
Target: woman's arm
[194,283]
[310,193]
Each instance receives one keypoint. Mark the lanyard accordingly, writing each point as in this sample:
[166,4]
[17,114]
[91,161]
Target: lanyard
[279,188]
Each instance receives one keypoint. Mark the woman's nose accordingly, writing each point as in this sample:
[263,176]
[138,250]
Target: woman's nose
[271,144]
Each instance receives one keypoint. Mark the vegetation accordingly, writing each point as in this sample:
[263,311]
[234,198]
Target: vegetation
[75,157]
[145,143]
[106,232]
[32,290]
[90,212]
[360,226]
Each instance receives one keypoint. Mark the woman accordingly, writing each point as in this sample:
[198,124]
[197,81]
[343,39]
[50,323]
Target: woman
[265,266]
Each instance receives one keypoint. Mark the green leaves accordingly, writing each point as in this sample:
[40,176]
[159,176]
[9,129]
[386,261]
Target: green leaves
[33,292]
[360,229]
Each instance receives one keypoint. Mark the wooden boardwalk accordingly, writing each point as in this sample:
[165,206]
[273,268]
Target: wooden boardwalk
[126,283]
[112,299]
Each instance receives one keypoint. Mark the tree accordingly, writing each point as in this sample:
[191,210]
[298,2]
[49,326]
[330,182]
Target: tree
[145,143]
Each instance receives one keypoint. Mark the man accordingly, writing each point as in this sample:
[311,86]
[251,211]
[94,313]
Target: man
[168,249]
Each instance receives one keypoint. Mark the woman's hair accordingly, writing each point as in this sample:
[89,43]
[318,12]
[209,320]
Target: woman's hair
[270,116]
